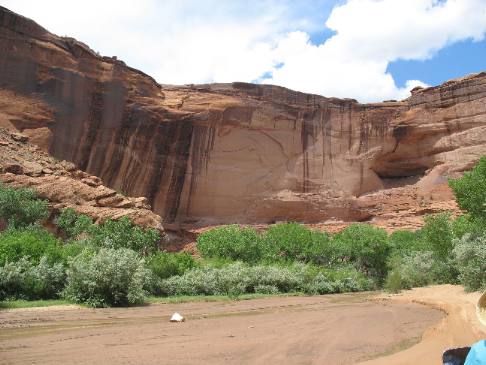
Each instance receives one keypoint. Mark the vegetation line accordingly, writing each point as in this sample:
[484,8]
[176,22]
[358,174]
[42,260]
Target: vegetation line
[19,304]
[119,264]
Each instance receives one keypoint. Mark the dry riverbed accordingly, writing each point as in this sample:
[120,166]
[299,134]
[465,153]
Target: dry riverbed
[331,329]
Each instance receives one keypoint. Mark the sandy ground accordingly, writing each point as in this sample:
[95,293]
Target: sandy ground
[333,329]
[458,328]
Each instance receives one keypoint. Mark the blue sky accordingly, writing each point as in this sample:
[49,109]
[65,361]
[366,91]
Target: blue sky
[370,50]
[453,61]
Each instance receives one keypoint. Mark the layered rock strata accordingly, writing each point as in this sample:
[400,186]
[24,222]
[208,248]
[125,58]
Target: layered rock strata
[237,152]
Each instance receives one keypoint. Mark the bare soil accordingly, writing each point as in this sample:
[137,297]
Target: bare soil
[459,328]
[332,329]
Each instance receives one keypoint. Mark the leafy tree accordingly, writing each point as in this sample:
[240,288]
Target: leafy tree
[120,233]
[470,190]
[404,241]
[233,242]
[293,241]
[437,234]
[365,246]
[123,233]
[32,242]
[165,265]
[467,224]
[21,207]
[74,224]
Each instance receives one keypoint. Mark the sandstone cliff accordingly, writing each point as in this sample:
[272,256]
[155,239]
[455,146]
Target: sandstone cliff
[238,152]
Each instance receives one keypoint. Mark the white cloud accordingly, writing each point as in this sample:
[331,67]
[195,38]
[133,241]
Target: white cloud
[369,35]
[176,41]
[191,41]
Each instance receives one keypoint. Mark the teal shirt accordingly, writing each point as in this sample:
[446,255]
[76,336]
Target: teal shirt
[477,354]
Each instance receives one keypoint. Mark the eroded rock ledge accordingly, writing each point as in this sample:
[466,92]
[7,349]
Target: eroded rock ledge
[24,165]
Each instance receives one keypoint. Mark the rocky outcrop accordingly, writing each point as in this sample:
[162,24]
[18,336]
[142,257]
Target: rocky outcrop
[235,152]
[24,165]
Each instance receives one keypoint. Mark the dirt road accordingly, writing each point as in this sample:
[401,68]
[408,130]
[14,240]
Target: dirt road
[333,329]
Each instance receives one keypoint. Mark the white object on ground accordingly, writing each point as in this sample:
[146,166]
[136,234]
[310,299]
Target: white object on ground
[176,317]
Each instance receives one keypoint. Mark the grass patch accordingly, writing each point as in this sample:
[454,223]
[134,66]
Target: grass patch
[213,298]
[15,304]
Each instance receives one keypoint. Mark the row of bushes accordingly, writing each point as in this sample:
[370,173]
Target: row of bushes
[240,278]
[438,253]
[445,250]
[26,280]
[363,245]
[118,263]
[122,277]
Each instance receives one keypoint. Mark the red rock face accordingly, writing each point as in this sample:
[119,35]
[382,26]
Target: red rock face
[236,152]
[23,164]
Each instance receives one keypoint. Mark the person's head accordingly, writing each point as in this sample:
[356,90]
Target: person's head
[481,309]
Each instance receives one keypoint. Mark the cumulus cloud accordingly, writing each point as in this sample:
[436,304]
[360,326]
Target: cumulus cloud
[369,34]
[176,41]
[195,41]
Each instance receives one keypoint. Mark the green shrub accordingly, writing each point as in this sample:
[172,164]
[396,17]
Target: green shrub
[74,224]
[437,235]
[121,233]
[470,190]
[395,282]
[266,289]
[232,242]
[164,264]
[293,241]
[468,224]
[287,279]
[199,281]
[424,257]
[239,278]
[111,277]
[234,279]
[348,279]
[34,242]
[50,279]
[24,280]
[319,285]
[366,247]
[216,262]
[340,280]
[74,248]
[21,207]
[403,242]
[470,257]
[415,269]
[419,268]
[281,242]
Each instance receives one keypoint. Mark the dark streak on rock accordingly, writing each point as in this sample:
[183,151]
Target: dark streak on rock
[183,138]
[93,124]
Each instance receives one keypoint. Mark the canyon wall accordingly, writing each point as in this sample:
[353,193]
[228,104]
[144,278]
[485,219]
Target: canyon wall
[237,152]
